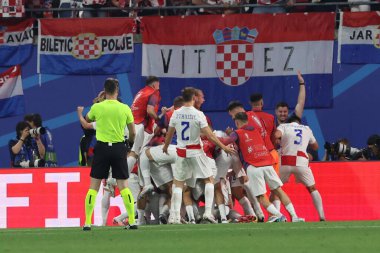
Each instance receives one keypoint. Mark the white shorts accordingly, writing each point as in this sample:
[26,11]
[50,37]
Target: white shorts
[142,138]
[193,180]
[302,174]
[223,164]
[258,176]
[193,168]
[160,157]
[161,174]
[133,185]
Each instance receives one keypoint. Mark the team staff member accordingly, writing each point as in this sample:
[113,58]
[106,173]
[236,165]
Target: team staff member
[111,117]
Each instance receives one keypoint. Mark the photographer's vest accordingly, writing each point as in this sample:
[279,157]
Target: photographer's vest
[25,154]
[50,154]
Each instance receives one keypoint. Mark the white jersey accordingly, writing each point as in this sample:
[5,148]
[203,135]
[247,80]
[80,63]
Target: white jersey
[188,123]
[294,141]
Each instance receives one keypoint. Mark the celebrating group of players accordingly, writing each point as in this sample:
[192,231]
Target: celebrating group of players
[181,171]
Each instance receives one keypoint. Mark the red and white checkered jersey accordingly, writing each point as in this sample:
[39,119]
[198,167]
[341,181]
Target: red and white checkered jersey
[188,123]
[294,141]
[12,8]
[91,2]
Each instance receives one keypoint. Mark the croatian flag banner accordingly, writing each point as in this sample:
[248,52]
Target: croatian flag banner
[11,94]
[234,55]
[85,46]
[359,38]
[16,41]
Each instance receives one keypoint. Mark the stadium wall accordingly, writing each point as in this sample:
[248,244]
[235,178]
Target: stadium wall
[353,113]
[54,197]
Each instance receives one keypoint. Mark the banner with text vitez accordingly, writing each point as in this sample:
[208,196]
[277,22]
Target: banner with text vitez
[359,38]
[229,57]
[90,46]
[16,41]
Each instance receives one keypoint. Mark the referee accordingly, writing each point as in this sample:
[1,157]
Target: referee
[111,117]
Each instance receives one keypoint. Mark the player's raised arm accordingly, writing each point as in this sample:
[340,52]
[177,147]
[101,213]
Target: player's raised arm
[85,124]
[301,96]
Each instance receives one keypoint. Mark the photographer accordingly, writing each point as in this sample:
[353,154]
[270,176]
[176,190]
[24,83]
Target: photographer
[23,153]
[373,148]
[43,133]
[332,154]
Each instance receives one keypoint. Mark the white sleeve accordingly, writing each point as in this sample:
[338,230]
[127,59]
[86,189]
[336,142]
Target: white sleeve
[312,138]
[202,120]
[94,125]
[172,122]
[281,128]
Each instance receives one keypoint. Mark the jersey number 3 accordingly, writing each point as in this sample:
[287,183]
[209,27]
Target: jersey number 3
[299,136]
[185,125]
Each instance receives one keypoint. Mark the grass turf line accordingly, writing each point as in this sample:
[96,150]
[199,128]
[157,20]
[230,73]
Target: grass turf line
[354,237]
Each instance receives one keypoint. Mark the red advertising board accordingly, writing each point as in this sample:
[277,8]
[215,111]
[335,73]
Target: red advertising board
[54,197]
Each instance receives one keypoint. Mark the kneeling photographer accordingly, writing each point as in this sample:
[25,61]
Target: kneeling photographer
[342,151]
[22,151]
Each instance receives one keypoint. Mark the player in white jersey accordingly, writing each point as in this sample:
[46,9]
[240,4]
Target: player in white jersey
[192,162]
[294,139]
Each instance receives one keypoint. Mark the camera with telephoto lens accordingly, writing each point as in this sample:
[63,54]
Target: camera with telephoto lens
[349,152]
[33,164]
[37,131]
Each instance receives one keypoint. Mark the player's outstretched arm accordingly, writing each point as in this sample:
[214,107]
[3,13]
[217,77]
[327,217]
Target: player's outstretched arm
[212,137]
[301,96]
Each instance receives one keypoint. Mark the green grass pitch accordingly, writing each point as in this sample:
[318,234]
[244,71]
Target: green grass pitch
[340,237]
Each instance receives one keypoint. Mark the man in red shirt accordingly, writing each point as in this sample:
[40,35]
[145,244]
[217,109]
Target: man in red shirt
[259,166]
[144,109]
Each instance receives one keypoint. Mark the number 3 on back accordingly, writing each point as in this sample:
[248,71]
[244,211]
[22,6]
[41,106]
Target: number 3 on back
[299,135]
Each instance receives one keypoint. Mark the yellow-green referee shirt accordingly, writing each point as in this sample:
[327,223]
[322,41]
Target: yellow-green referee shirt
[111,118]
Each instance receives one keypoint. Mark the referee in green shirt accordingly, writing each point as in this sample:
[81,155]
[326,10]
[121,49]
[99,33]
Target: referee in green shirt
[111,117]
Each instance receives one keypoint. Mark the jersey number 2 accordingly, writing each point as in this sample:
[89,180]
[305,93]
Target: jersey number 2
[186,125]
[299,135]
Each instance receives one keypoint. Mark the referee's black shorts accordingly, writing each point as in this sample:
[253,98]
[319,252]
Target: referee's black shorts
[108,155]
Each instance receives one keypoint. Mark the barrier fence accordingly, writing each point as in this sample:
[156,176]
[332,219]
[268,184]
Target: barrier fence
[54,197]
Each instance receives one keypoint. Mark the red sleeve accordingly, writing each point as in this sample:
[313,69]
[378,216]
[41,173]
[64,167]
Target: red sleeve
[230,139]
[154,99]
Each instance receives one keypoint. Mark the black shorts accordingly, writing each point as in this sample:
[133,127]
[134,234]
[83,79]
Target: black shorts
[106,156]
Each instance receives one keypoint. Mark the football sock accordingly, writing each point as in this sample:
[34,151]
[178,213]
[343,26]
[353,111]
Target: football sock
[244,202]
[273,210]
[106,199]
[177,201]
[209,197]
[140,215]
[257,208]
[222,212]
[89,205]
[190,212]
[317,200]
[121,217]
[277,204]
[161,202]
[129,204]
[290,209]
